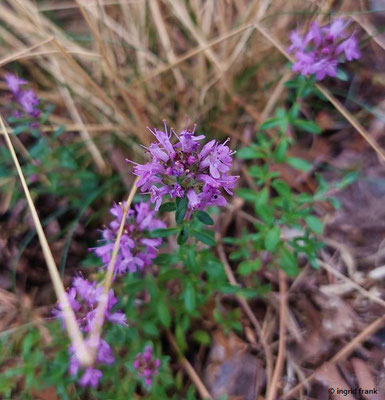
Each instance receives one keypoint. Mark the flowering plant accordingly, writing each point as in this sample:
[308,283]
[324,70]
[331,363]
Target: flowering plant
[137,250]
[186,170]
[323,48]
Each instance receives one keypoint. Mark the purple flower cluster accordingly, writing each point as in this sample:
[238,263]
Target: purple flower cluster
[186,168]
[322,48]
[83,297]
[26,98]
[136,250]
[146,365]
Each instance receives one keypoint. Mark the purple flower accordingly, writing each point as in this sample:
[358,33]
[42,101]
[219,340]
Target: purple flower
[136,250]
[182,169]
[350,48]
[29,102]
[14,82]
[91,376]
[83,297]
[26,98]
[322,48]
[146,365]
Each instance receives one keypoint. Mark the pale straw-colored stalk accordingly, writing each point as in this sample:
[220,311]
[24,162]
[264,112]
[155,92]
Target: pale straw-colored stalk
[71,324]
[96,329]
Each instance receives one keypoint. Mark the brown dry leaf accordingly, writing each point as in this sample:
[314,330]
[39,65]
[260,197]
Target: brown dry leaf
[365,379]
[337,316]
[46,394]
[9,310]
[329,376]
[232,370]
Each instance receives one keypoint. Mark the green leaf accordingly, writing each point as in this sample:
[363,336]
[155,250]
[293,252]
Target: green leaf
[280,151]
[166,259]
[248,153]
[150,328]
[314,224]
[181,209]
[189,297]
[249,266]
[262,197]
[282,188]
[167,207]
[288,262]
[201,337]
[247,194]
[204,217]
[180,337]
[307,126]
[205,237]
[272,238]
[164,313]
[270,123]
[342,75]
[293,112]
[183,236]
[266,212]
[156,233]
[298,163]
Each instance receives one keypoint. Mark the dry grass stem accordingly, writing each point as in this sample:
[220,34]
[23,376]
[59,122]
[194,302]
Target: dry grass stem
[353,284]
[202,390]
[68,314]
[273,387]
[246,308]
[95,332]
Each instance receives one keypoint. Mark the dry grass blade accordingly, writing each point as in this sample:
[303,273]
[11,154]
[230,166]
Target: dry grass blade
[95,332]
[183,15]
[166,42]
[51,6]
[75,115]
[68,314]
[24,52]
[192,53]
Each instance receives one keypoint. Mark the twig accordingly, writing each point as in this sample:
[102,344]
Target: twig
[95,332]
[345,351]
[246,308]
[355,285]
[204,393]
[272,388]
[68,314]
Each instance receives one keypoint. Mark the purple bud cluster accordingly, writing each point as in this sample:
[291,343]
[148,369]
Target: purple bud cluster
[186,169]
[136,250]
[322,48]
[26,98]
[83,297]
[146,365]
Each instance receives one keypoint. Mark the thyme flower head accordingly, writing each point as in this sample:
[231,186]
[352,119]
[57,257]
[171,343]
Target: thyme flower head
[84,297]
[186,169]
[323,48]
[136,250]
[146,365]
